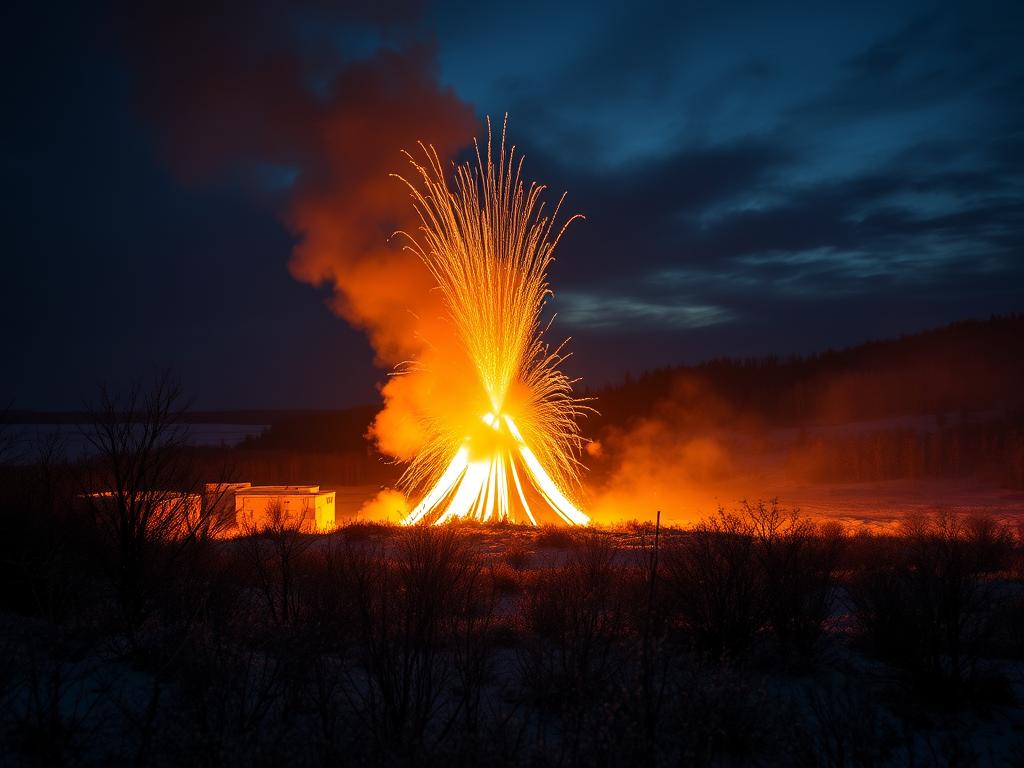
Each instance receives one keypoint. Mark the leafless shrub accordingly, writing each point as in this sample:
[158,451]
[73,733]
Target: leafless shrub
[331,601]
[471,630]
[842,728]
[505,578]
[430,646]
[925,605]
[230,706]
[47,563]
[798,562]
[573,619]
[53,717]
[759,568]
[639,527]
[649,674]
[715,575]
[1017,559]
[556,537]
[422,618]
[723,716]
[360,531]
[992,544]
[274,551]
[144,491]
[517,554]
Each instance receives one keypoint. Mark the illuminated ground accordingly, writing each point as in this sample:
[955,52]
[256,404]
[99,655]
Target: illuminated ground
[875,505]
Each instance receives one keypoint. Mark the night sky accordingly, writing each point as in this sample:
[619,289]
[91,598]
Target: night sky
[757,179]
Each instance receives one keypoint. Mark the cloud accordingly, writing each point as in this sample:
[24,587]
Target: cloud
[622,312]
[263,99]
[724,174]
[835,184]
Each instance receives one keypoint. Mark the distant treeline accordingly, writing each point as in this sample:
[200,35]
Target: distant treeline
[971,366]
[948,403]
[974,366]
[968,377]
[317,431]
[992,450]
[361,466]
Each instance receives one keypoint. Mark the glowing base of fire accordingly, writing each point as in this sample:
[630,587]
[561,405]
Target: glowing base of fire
[482,489]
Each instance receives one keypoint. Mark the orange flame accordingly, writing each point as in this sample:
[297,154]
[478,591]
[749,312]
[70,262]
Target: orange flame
[507,446]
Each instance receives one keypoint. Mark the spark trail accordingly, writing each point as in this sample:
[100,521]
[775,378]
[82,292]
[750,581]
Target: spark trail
[511,450]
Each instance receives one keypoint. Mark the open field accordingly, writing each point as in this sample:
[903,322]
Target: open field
[877,505]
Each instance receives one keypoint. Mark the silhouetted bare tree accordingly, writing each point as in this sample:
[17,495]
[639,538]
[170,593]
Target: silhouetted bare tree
[418,615]
[715,574]
[144,490]
[275,548]
[926,602]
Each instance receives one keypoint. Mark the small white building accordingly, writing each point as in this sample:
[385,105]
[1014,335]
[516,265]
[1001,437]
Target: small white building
[305,506]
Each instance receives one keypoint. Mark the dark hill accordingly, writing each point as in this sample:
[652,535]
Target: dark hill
[974,366]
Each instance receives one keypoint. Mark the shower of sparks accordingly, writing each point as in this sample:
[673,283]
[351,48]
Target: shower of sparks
[512,453]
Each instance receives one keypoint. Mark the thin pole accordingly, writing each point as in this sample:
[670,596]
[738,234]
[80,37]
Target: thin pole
[654,556]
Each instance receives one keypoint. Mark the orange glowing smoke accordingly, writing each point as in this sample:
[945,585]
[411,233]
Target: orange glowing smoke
[496,436]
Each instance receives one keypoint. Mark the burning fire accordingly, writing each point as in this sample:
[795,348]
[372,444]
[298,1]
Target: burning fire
[511,448]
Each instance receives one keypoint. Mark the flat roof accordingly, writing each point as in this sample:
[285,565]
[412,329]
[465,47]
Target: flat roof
[281,490]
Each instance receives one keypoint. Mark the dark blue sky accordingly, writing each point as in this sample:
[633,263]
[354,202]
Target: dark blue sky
[757,179]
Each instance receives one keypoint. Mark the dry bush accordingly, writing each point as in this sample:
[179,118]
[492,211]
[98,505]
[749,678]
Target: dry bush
[556,537]
[759,568]
[842,728]
[992,544]
[331,615]
[229,706]
[517,554]
[798,562]
[639,527]
[361,531]
[506,579]
[48,563]
[256,676]
[721,716]
[714,574]
[144,491]
[573,620]
[1017,562]
[274,554]
[648,676]
[53,718]
[927,605]
[423,619]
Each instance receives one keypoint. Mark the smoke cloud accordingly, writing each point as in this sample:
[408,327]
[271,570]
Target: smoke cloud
[264,96]
[679,457]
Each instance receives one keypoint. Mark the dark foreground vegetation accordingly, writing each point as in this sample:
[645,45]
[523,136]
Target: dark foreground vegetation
[132,633]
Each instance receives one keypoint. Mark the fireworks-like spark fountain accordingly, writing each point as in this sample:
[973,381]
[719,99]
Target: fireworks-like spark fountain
[513,452]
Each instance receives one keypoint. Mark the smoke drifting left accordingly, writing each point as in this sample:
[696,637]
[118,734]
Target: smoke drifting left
[266,97]
[263,95]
